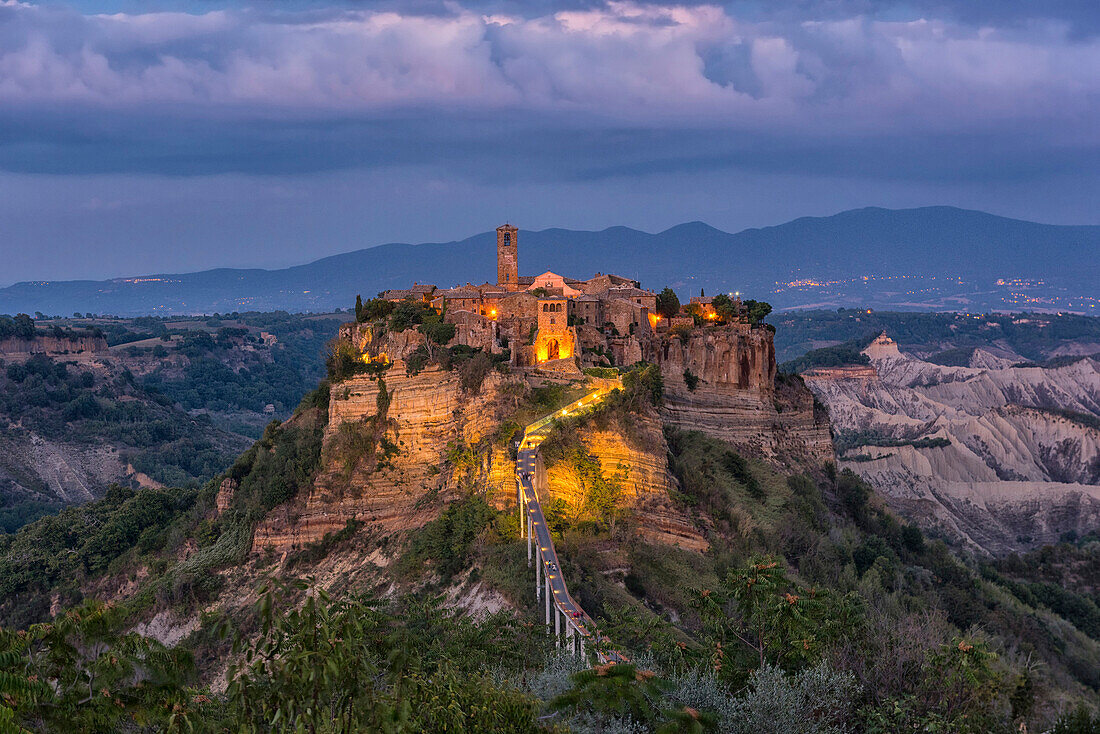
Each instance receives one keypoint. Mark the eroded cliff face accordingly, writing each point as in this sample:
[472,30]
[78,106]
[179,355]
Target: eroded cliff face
[998,457]
[433,430]
[53,346]
[736,398]
[395,346]
[638,457]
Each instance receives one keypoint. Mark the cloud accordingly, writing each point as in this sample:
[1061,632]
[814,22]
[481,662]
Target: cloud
[578,92]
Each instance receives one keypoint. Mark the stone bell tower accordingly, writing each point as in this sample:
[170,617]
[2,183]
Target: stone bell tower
[508,257]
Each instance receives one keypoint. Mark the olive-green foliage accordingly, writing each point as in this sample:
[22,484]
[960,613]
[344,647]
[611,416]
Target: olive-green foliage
[642,382]
[691,380]
[848,353]
[65,548]
[725,308]
[618,690]
[668,305]
[473,371]
[58,401]
[834,533]
[757,311]
[283,461]
[959,690]
[438,332]
[1079,721]
[372,310]
[83,672]
[446,543]
[815,700]
[348,664]
[757,615]
[409,314]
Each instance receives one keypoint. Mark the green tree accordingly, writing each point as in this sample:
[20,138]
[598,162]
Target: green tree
[317,667]
[725,308]
[668,305]
[438,332]
[758,610]
[757,310]
[616,690]
[359,315]
[83,673]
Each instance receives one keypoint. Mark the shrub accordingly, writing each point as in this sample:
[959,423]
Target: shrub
[472,372]
[447,542]
[691,380]
[818,700]
[438,332]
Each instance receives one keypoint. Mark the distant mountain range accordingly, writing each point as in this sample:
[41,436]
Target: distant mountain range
[927,258]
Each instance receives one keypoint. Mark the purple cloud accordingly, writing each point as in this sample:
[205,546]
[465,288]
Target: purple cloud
[617,64]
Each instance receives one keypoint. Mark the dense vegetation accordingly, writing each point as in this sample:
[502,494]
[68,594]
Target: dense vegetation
[222,378]
[847,353]
[67,402]
[1031,335]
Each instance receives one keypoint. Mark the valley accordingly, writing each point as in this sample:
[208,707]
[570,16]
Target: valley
[89,402]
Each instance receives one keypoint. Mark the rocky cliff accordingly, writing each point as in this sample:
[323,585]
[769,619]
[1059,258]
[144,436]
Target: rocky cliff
[638,457]
[1002,457]
[385,460]
[53,346]
[735,396]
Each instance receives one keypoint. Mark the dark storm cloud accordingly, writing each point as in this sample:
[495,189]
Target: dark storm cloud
[846,88]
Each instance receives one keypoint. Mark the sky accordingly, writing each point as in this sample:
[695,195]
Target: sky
[160,136]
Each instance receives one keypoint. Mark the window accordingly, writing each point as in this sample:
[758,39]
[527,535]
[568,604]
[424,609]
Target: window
[507,238]
[551,319]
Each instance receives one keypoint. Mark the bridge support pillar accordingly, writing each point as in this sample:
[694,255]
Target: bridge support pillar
[538,579]
[557,627]
[519,508]
[529,534]
[548,602]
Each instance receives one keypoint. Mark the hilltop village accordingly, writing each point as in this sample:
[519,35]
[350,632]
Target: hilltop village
[554,323]
[431,375]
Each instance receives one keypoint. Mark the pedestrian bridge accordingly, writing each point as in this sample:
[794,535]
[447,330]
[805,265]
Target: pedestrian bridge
[571,625]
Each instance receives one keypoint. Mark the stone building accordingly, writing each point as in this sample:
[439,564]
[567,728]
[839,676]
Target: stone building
[551,321]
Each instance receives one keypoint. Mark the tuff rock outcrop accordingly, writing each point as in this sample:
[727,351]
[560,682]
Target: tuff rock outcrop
[639,458]
[432,427]
[736,397]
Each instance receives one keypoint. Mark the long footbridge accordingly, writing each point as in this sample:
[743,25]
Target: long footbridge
[571,624]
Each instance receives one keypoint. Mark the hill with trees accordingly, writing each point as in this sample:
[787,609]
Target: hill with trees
[814,609]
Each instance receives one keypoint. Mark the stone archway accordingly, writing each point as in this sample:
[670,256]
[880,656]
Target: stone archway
[552,349]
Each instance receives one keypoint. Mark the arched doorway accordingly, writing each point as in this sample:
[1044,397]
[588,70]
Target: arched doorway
[552,349]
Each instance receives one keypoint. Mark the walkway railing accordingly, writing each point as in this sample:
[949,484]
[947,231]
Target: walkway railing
[579,629]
